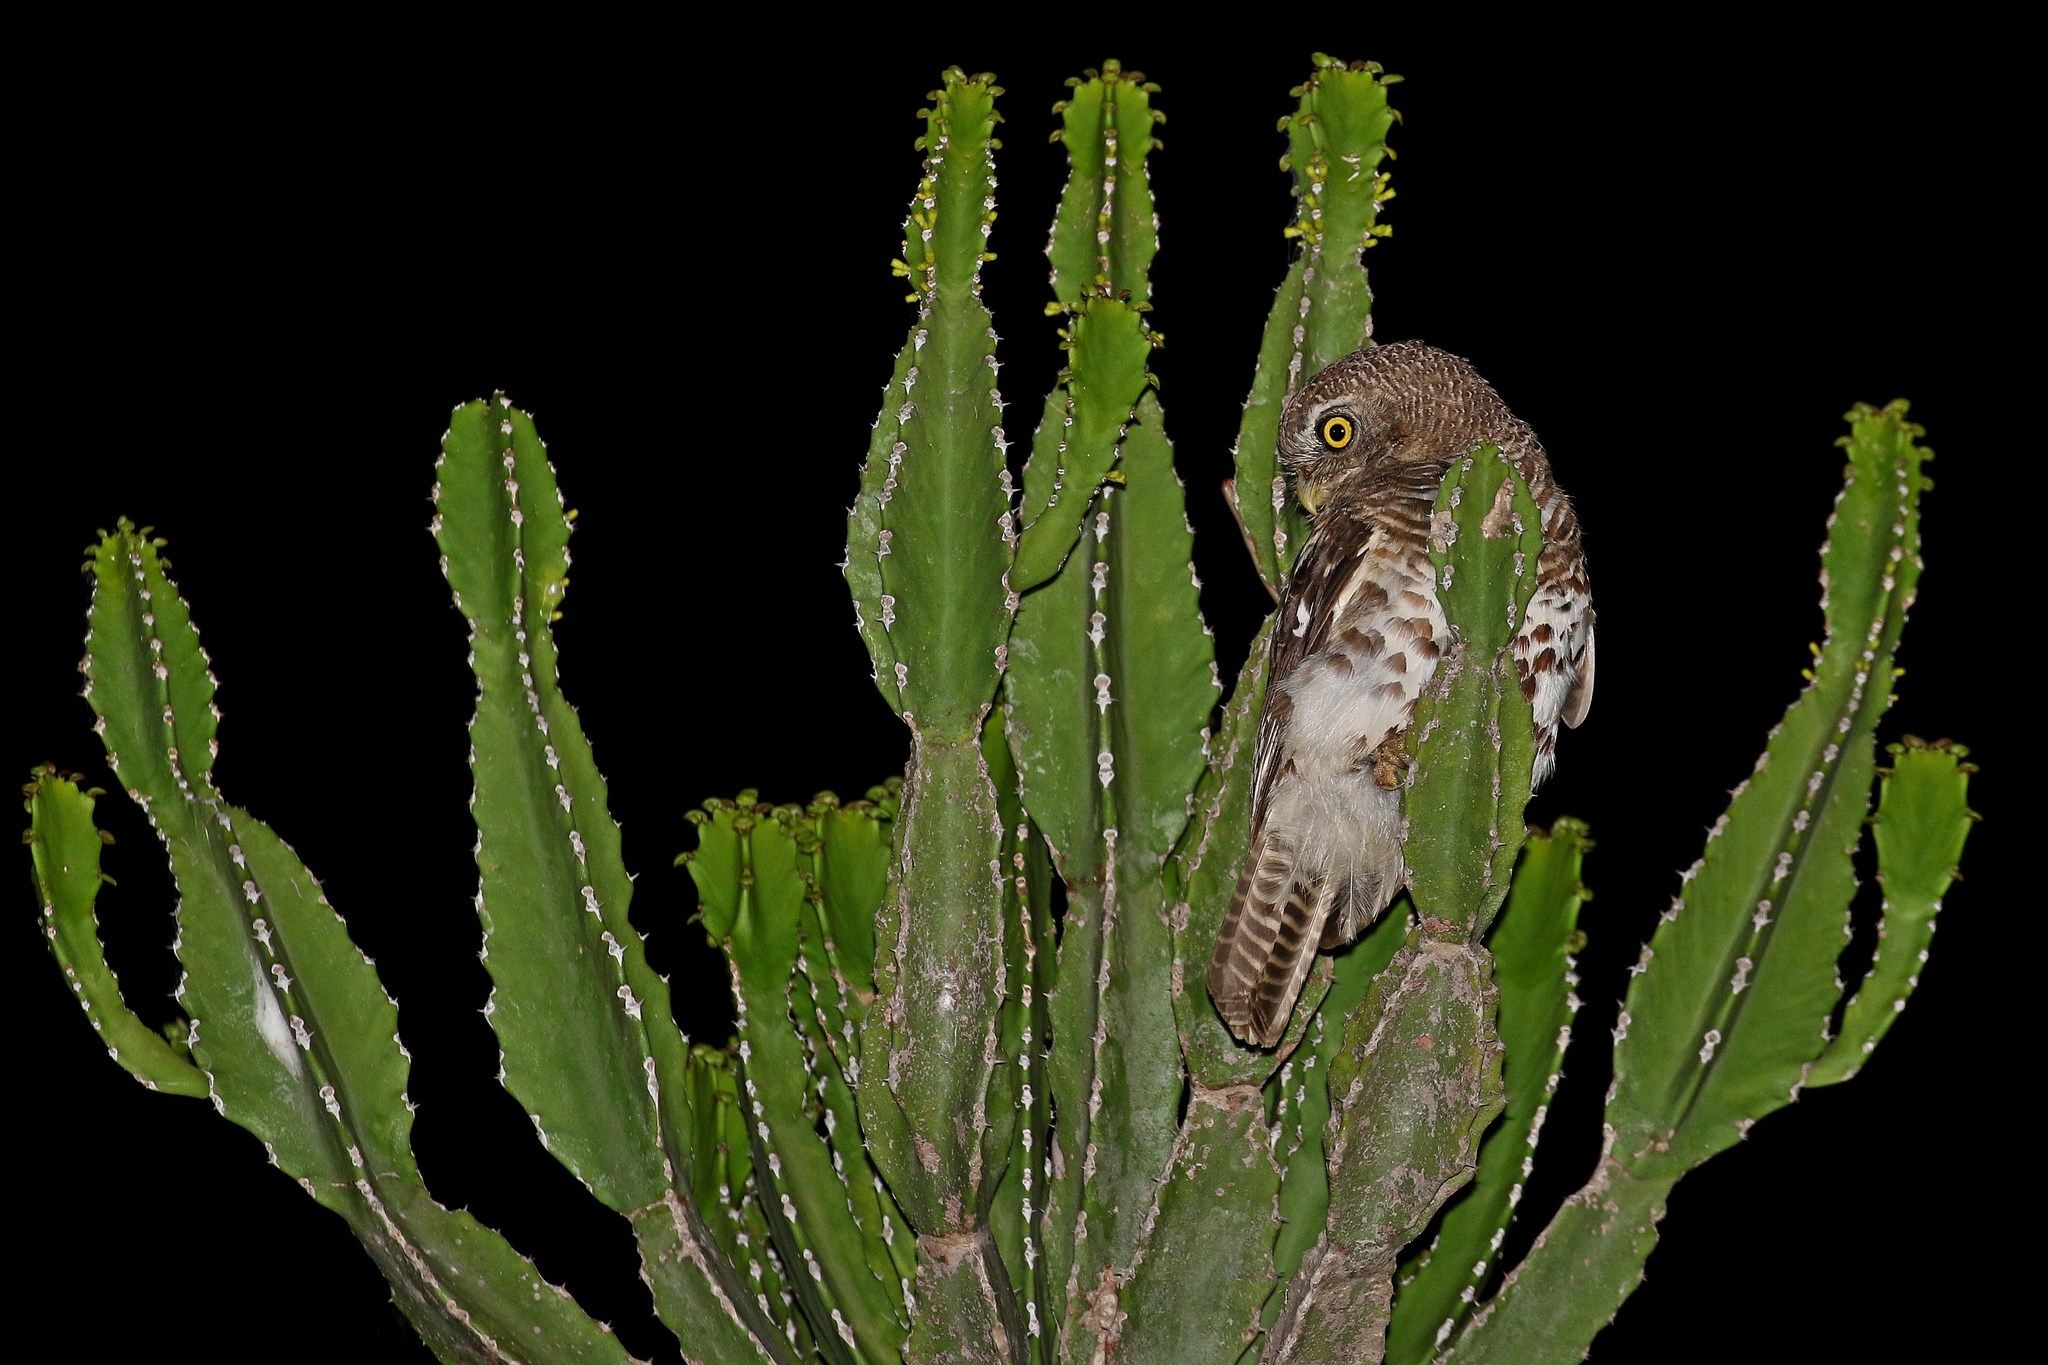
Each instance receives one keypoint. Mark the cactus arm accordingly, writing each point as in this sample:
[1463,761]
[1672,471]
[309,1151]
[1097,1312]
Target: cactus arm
[1156,645]
[1012,1208]
[938,534]
[1204,1263]
[825,1025]
[1104,232]
[1732,999]
[1585,1262]
[1532,946]
[809,1204]
[1040,874]
[1303,1101]
[1102,243]
[1111,687]
[1077,445]
[733,1228]
[923,1058]
[1415,1086]
[1418,1078]
[289,1024]
[1923,819]
[697,1292]
[1473,736]
[852,877]
[1335,144]
[934,527]
[552,894]
[874,606]
[64,848]
[590,1048]
[1017,1212]
[1156,666]
[772,881]
[1729,1003]
[1273,526]
[145,674]
[1336,141]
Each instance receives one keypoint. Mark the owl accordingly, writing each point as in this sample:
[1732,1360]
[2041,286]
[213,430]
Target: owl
[1359,633]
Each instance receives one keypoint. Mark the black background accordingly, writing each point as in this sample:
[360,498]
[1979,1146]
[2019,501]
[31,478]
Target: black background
[251,302]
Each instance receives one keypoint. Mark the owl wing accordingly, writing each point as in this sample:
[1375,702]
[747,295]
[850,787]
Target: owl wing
[1553,652]
[1301,631]
[1356,639]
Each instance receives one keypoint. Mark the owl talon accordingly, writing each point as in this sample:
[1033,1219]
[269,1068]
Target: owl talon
[1390,760]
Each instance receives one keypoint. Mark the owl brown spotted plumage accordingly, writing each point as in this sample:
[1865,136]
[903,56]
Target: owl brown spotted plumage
[1360,631]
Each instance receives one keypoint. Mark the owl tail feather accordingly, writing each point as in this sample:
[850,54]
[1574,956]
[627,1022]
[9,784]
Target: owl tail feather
[1268,941]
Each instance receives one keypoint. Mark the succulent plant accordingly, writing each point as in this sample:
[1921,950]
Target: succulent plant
[976,1106]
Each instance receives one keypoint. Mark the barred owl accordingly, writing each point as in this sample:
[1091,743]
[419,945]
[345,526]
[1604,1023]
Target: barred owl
[1360,631]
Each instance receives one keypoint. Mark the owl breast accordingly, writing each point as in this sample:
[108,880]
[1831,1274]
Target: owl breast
[1359,636]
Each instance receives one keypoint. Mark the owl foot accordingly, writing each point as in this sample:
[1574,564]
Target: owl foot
[1390,761]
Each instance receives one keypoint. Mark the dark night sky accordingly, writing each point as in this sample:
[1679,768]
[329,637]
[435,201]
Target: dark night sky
[249,311]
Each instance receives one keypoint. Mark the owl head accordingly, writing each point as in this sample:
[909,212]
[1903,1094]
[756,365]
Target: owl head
[1403,403]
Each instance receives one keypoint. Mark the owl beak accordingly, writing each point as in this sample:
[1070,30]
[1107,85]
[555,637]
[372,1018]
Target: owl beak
[1310,497]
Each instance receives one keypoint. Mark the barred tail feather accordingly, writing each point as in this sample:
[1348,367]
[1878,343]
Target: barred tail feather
[1268,941]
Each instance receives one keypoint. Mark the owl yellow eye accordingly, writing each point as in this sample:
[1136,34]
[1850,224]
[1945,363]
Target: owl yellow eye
[1337,432]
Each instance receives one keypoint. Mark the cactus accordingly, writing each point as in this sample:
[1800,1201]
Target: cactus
[975,1105]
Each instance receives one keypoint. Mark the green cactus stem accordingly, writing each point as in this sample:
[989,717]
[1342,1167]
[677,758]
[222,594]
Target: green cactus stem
[1417,1080]
[1337,138]
[1728,1007]
[288,1022]
[1532,944]
[1919,829]
[64,846]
